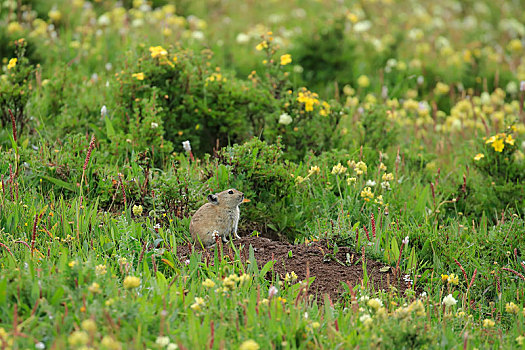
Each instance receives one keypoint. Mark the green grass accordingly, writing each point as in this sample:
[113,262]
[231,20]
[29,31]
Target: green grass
[82,266]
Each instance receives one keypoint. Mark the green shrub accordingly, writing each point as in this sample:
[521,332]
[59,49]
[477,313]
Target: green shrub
[195,102]
[15,88]
[258,169]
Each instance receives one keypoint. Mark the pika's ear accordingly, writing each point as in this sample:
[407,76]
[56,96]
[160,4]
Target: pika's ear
[213,199]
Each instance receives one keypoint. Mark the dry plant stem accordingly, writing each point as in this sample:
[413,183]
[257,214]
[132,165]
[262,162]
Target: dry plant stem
[13,123]
[514,272]
[8,250]
[33,236]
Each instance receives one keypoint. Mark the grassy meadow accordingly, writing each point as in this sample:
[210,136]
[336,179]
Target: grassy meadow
[394,127]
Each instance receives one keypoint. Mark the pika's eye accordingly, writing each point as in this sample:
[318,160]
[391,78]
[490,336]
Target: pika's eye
[230,192]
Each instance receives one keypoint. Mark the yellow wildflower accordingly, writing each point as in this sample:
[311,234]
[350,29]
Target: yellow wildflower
[360,168]
[55,15]
[12,63]
[498,145]
[89,325]
[131,282]
[137,210]
[14,27]
[198,305]
[138,76]
[441,89]
[78,338]
[109,343]
[314,170]
[488,323]
[388,177]
[286,59]
[478,156]
[309,99]
[363,81]
[94,288]
[208,283]
[520,340]
[515,45]
[491,139]
[100,270]
[453,279]
[158,51]
[444,278]
[509,140]
[512,308]
[367,194]
[375,303]
[261,46]
[249,345]
[338,169]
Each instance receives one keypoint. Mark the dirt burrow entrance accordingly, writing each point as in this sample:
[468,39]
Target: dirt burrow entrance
[330,271]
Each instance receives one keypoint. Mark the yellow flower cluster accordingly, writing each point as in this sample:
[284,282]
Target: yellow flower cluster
[160,53]
[360,167]
[512,308]
[367,194]
[290,277]
[286,59]
[138,76]
[338,169]
[131,282]
[479,156]
[12,63]
[262,45]
[498,141]
[308,98]
[229,283]
[218,77]
[198,304]
[416,307]
[451,279]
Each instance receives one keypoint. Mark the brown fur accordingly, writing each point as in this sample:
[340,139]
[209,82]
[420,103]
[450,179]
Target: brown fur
[219,217]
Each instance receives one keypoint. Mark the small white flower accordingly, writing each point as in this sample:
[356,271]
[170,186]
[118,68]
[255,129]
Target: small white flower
[522,85]
[272,291]
[362,26]
[370,183]
[306,315]
[154,125]
[198,35]
[420,80]
[104,20]
[384,92]
[449,300]
[162,341]
[187,261]
[242,38]
[172,346]
[103,111]
[40,345]
[422,295]
[365,319]
[285,119]
[186,145]
[405,241]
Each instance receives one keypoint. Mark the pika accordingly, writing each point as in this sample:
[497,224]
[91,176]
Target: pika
[219,217]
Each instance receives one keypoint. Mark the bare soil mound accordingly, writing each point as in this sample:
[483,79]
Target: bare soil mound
[316,258]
